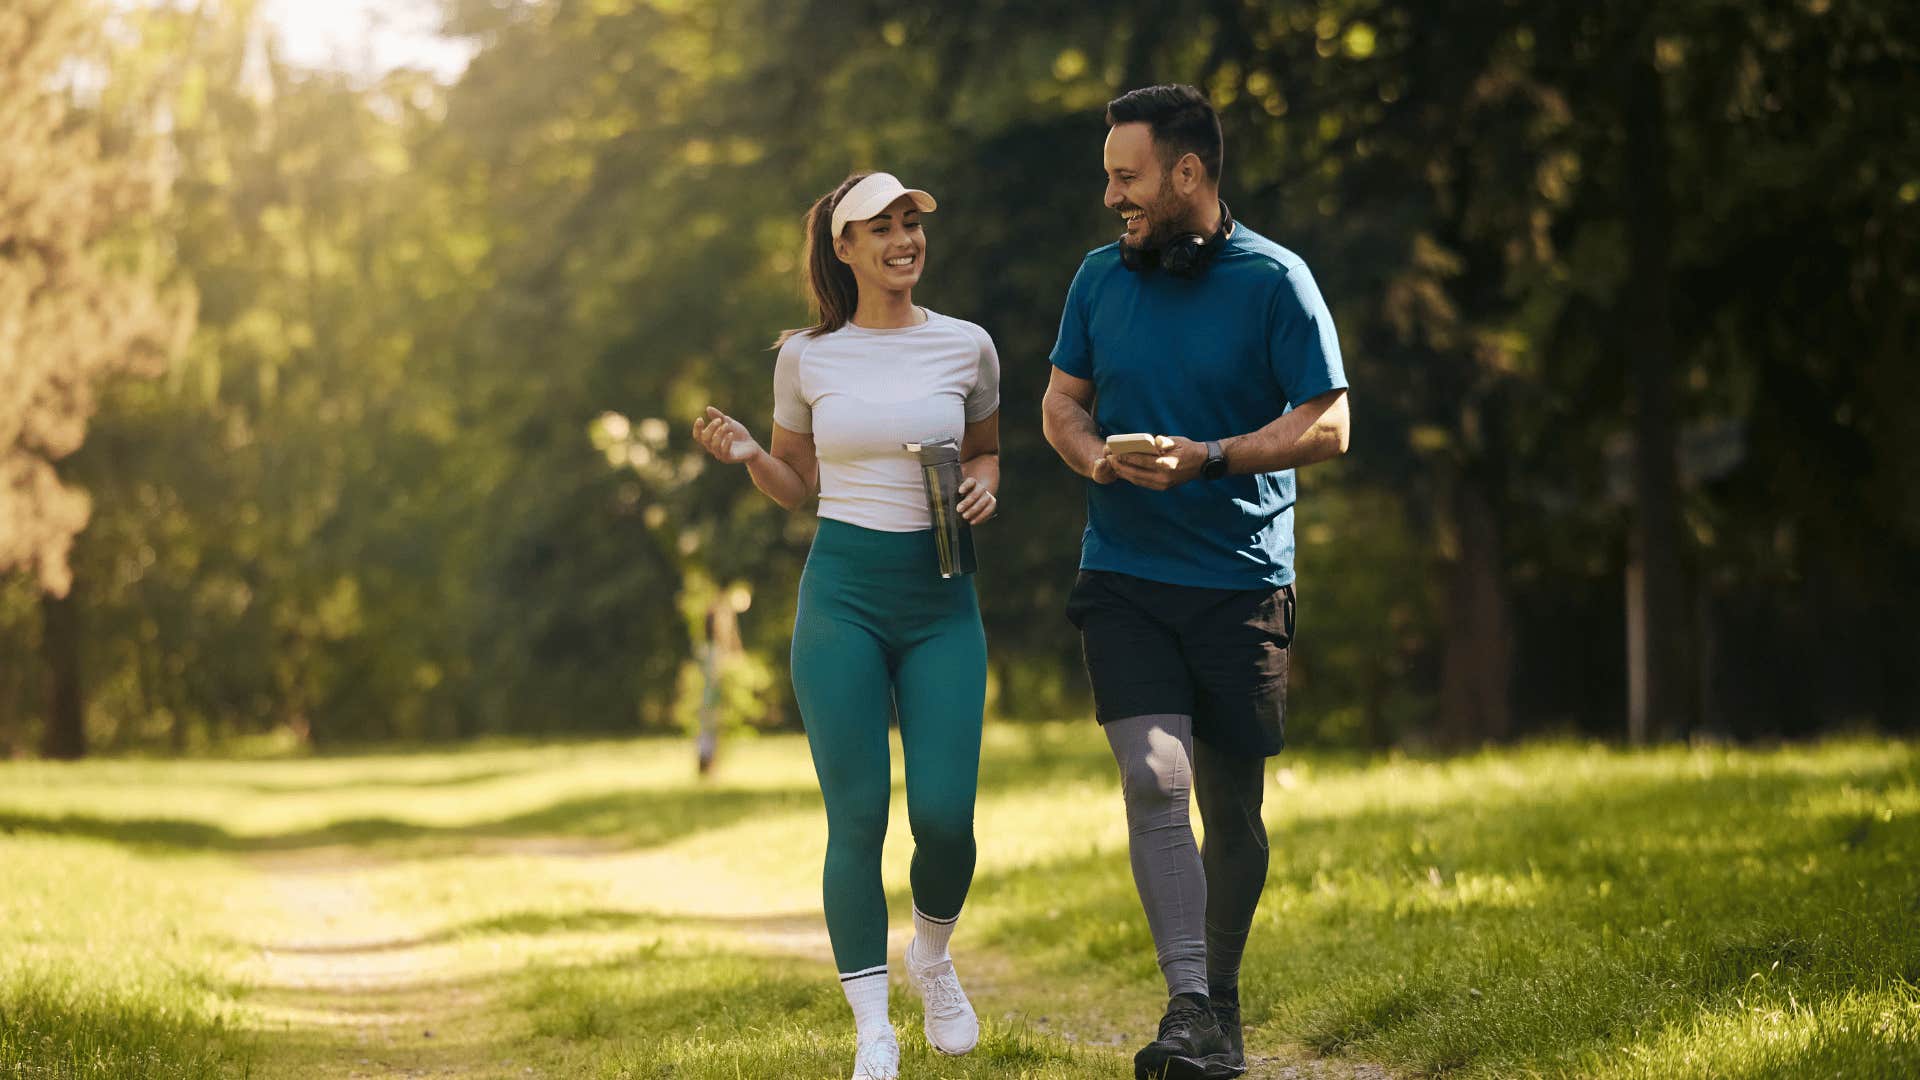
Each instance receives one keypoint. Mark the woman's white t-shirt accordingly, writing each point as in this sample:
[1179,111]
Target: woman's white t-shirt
[864,393]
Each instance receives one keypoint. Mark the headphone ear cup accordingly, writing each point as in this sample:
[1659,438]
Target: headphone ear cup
[1189,256]
[1183,256]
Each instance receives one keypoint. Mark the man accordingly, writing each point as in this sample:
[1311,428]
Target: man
[1196,330]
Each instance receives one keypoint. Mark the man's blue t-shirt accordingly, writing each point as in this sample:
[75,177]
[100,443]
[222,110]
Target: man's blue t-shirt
[1209,358]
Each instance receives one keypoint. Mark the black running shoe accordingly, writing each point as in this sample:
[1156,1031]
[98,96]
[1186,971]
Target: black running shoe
[1234,1061]
[1190,1047]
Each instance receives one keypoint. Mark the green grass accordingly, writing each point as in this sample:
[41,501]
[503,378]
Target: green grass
[109,963]
[590,909]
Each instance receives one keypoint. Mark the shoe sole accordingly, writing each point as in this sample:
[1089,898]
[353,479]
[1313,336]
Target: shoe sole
[938,1049]
[1170,1069]
[1186,1068]
[967,1049]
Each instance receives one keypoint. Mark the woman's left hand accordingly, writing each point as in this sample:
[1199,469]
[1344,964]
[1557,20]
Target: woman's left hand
[977,504]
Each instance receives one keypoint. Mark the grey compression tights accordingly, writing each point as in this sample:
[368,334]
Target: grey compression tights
[1199,904]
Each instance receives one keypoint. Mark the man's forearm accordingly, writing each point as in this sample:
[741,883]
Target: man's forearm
[1070,430]
[1313,432]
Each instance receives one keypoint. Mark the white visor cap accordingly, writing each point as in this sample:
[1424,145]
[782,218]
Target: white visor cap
[873,194]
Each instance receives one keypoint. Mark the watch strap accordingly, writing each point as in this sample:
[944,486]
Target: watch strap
[1216,466]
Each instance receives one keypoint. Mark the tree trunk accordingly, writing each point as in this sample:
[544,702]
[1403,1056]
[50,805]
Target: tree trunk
[1477,661]
[66,736]
[1664,599]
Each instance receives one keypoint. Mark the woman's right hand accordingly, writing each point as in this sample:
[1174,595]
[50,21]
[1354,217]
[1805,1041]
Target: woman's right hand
[725,438]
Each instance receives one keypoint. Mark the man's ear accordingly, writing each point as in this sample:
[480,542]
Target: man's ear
[1187,173]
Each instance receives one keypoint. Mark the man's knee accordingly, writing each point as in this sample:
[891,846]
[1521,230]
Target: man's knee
[1229,806]
[1155,768]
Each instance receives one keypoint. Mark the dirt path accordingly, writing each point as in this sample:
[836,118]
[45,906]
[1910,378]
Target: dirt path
[356,990]
[349,988]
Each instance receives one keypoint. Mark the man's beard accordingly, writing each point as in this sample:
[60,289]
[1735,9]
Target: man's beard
[1162,223]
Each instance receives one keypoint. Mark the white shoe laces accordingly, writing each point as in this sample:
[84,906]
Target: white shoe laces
[941,988]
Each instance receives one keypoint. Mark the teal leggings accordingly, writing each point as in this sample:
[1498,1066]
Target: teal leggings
[877,626]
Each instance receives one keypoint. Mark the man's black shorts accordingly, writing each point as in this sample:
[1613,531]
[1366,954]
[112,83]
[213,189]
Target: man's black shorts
[1217,655]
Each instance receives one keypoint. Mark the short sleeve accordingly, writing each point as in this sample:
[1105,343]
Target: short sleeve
[1073,349]
[1303,349]
[983,400]
[791,409]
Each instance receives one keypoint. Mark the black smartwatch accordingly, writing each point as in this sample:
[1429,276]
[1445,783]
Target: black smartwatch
[1216,466]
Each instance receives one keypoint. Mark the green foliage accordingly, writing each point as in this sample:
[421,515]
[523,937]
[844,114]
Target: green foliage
[371,499]
[287,520]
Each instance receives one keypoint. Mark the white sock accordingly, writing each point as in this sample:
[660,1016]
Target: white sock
[867,992]
[930,937]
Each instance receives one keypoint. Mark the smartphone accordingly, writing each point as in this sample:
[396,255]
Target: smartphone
[1137,443]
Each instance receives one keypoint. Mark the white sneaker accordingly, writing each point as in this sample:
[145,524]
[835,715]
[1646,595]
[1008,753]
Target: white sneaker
[877,1058]
[951,1025]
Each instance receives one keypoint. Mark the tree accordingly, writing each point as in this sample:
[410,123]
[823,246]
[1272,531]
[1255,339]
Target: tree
[286,546]
[365,502]
[78,304]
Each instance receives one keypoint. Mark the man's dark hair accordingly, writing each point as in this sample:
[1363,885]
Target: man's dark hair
[1181,119]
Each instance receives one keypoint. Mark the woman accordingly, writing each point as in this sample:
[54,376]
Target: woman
[876,623]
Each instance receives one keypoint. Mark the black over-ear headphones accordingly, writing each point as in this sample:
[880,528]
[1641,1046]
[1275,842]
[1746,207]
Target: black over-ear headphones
[1184,256]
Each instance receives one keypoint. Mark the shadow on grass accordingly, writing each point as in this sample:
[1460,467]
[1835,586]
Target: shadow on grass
[583,921]
[629,819]
[398,785]
[625,819]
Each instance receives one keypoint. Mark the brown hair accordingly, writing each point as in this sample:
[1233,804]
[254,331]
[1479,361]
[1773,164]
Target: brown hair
[831,288]
[1182,122]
